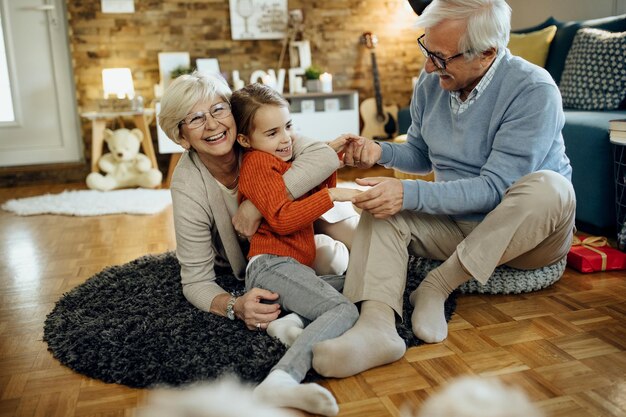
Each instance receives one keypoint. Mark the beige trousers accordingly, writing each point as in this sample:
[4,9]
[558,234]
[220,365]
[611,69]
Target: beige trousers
[532,227]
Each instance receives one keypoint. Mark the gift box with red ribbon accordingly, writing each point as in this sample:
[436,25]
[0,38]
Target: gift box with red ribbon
[593,254]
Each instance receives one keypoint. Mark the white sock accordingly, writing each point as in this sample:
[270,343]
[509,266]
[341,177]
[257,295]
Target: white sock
[280,389]
[286,329]
[428,318]
[331,256]
[373,341]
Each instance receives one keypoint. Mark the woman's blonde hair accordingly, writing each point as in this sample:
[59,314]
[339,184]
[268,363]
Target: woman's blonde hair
[183,94]
[246,102]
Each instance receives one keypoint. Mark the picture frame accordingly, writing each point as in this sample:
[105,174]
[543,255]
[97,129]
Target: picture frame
[258,19]
[169,61]
[331,104]
[307,106]
[208,65]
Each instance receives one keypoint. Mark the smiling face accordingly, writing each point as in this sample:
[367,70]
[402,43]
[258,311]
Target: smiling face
[271,132]
[460,73]
[216,137]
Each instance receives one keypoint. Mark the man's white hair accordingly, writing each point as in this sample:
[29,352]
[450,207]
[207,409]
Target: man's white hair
[488,22]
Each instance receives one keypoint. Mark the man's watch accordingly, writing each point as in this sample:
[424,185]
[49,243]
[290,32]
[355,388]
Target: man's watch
[230,307]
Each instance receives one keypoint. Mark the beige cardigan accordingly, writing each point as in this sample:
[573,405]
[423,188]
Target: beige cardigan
[205,236]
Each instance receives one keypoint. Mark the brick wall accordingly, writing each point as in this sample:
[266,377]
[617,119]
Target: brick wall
[202,27]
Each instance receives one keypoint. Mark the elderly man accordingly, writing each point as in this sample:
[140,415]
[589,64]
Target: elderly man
[489,125]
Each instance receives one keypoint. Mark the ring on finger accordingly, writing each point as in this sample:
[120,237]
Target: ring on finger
[258,327]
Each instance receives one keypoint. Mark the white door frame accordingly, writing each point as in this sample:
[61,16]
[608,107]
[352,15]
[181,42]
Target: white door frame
[25,141]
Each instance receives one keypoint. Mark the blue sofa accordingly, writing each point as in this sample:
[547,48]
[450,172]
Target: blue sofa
[585,134]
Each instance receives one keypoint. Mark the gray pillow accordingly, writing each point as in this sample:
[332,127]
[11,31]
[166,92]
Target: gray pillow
[594,77]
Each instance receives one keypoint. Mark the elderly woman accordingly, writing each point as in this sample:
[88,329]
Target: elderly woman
[211,229]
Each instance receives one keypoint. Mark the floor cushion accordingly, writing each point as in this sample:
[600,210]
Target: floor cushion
[507,280]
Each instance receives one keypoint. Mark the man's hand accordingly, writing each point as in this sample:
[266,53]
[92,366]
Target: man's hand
[247,219]
[383,200]
[361,153]
[340,144]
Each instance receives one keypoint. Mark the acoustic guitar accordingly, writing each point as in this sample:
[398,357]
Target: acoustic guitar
[379,121]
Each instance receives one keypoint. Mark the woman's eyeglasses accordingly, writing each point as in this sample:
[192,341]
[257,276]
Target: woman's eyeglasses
[198,119]
[437,61]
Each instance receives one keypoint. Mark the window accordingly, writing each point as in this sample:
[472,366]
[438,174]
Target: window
[6,97]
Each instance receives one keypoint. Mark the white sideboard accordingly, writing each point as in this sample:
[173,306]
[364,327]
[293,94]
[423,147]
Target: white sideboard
[324,116]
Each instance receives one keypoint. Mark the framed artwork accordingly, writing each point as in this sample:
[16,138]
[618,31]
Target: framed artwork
[169,61]
[208,65]
[118,6]
[258,19]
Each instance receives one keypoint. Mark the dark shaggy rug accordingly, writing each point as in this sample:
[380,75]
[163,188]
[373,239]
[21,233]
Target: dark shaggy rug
[131,325]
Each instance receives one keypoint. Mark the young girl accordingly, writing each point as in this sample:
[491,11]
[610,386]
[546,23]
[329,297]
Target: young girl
[283,249]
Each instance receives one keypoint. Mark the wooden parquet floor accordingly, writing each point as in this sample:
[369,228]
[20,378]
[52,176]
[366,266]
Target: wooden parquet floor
[564,346]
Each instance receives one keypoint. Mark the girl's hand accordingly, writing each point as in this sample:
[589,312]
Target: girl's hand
[252,311]
[362,153]
[343,194]
[339,143]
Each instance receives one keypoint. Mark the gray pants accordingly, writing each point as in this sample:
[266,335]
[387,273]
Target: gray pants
[316,299]
[531,227]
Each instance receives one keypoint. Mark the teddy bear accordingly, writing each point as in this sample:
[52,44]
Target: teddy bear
[124,166]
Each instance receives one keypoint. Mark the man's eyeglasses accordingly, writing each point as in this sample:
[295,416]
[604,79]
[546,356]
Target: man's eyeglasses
[437,61]
[198,119]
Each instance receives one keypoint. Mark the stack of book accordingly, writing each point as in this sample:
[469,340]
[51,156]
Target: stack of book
[617,131]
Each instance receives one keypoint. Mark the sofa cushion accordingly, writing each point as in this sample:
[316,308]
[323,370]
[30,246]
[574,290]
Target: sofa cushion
[565,35]
[593,78]
[532,46]
[589,150]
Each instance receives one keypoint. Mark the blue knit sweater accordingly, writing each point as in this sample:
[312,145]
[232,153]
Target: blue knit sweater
[512,129]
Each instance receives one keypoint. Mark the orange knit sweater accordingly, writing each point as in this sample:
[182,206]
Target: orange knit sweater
[287,226]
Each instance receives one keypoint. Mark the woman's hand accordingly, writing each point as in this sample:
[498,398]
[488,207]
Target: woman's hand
[255,314]
[247,219]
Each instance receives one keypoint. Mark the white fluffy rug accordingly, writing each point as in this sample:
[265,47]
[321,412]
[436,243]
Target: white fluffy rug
[92,203]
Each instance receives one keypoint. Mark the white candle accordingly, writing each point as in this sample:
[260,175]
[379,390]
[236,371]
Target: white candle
[238,85]
[297,84]
[269,81]
[327,82]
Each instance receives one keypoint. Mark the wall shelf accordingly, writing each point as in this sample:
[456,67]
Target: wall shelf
[324,116]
